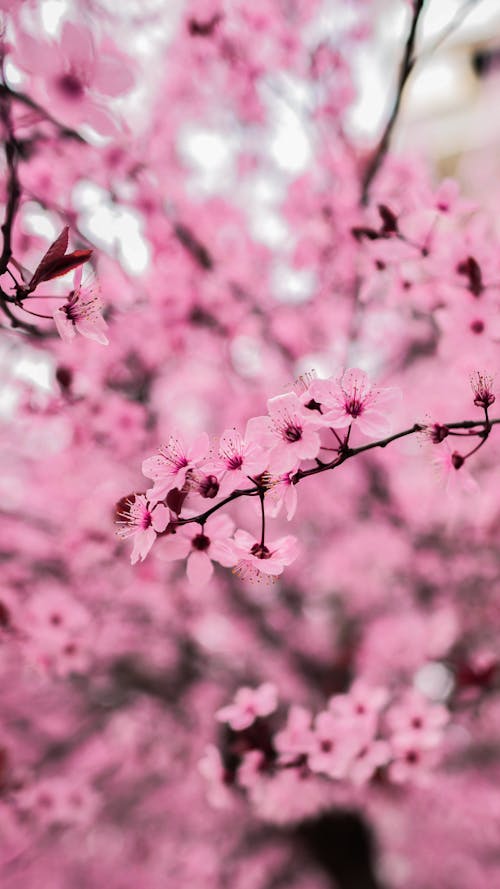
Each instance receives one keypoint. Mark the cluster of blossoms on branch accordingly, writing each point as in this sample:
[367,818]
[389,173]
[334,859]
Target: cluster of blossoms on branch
[296,439]
[366,734]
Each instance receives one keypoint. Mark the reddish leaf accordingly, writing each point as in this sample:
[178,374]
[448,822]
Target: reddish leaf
[55,251]
[59,266]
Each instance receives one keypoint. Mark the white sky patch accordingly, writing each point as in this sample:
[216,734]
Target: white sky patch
[38,222]
[115,229]
[292,285]
[51,12]
[211,154]
[289,143]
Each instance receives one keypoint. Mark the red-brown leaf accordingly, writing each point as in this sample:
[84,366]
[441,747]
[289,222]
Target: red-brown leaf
[59,266]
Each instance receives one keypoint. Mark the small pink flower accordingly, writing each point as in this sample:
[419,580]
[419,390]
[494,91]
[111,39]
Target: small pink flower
[353,399]
[82,312]
[482,387]
[333,747]
[238,459]
[362,705]
[142,523]
[74,70]
[251,559]
[371,757]
[200,546]
[417,716]
[411,760]
[168,468]
[249,703]
[290,432]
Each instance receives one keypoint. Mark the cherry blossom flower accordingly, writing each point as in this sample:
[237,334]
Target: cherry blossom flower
[411,761]
[373,755]
[82,313]
[482,388]
[238,458]
[353,399]
[74,70]
[142,522]
[290,432]
[362,704]
[333,746]
[248,705]
[169,467]
[252,559]
[416,715]
[200,546]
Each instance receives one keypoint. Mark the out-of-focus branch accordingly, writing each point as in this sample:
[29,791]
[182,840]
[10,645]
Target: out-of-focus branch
[407,66]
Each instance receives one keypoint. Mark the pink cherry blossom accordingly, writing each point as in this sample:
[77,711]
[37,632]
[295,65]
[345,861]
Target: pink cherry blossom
[253,559]
[199,545]
[416,715]
[238,459]
[248,705]
[351,399]
[333,746]
[75,70]
[82,313]
[290,432]
[169,467]
[142,522]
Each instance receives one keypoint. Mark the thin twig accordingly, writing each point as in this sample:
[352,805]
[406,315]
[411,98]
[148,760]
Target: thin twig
[407,65]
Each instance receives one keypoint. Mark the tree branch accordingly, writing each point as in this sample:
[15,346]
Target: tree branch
[407,65]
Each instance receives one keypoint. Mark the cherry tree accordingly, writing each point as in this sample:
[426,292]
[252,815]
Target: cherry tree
[248,617]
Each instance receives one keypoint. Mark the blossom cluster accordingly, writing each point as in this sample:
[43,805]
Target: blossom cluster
[366,734]
[316,417]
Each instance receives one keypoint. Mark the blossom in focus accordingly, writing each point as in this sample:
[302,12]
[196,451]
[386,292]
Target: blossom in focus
[251,559]
[238,459]
[352,399]
[82,313]
[142,523]
[168,468]
[199,545]
[290,432]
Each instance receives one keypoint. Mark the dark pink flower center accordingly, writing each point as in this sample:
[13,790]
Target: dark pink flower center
[70,85]
[354,406]
[235,462]
[201,542]
[261,551]
[292,433]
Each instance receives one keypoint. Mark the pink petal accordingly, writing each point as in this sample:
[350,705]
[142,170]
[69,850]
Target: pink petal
[199,568]
[112,76]
[78,47]
[160,517]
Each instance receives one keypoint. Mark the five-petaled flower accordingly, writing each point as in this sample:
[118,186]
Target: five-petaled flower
[248,704]
[168,468]
[142,522]
[352,399]
[82,313]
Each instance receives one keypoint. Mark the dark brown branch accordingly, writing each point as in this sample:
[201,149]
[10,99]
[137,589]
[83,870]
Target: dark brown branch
[344,453]
[406,68]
